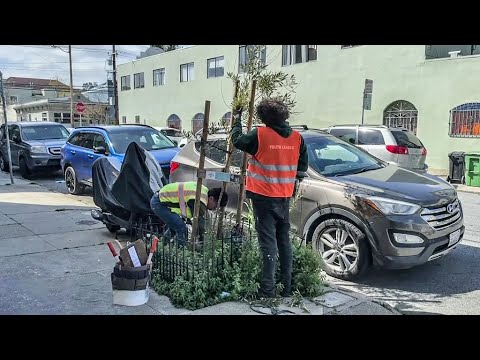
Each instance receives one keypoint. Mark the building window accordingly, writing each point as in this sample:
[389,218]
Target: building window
[186,72]
[124,119]
[465,120]
[197,123]
[251,53]
[137,119]
[138,81]
[57,117]
[296,54]
[159,77]
[402,114]
[174,121]
[125,82]
[44,116]
[215,67]
[66,118]
[13,99]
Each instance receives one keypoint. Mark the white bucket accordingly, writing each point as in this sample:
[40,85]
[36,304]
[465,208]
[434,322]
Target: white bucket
[131,298]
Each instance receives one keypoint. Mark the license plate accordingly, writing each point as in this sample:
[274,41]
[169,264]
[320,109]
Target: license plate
[454,238]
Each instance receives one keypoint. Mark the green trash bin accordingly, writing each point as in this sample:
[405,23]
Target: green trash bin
[472,169]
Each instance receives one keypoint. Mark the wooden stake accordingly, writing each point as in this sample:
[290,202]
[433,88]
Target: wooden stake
[200,175]
[241,195]
[228,161]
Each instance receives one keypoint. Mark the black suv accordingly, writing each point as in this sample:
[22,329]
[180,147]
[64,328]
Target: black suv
[34,146]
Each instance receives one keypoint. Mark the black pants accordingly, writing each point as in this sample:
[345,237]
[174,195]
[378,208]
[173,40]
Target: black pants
[272,223]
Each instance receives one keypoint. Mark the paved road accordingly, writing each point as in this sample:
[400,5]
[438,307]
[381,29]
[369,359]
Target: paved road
[450,285]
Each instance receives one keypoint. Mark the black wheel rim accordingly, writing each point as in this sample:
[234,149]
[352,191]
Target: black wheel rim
[69,180]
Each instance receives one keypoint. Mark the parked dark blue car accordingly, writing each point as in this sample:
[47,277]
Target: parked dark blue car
[87,144]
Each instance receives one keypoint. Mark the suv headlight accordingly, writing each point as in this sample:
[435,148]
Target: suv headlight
[391,207]
[40,149]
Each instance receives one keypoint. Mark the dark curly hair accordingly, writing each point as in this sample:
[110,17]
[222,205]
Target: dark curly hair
[272,111]
[215,192]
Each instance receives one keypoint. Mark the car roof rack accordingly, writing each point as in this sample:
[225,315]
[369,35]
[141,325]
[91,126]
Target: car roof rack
[361,125]
[304,127]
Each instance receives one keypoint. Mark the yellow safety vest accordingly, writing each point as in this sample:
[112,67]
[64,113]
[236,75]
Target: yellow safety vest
[181,193]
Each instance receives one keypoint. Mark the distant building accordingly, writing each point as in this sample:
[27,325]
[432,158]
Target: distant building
[20,90]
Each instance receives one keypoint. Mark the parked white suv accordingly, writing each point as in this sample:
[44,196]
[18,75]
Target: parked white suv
[394,145]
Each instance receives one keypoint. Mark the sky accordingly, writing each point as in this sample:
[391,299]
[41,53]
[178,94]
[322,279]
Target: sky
[47,62]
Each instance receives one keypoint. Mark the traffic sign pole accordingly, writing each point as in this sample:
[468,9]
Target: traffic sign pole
[9,153]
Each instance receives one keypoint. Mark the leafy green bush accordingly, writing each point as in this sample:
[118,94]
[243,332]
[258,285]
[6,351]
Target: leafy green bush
[240,279]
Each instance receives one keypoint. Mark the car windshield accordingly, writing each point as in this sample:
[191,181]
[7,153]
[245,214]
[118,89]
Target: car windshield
[172,132]
[147,138]
[45,132]
[330,156]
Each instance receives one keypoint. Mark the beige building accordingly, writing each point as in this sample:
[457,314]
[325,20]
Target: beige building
[431,89]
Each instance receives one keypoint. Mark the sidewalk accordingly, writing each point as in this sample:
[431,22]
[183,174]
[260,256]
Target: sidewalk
[53,260]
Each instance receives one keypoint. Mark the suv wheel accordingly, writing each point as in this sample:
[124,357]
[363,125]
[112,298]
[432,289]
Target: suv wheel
[24,170]
[344,251]
[71,181]
[3,163]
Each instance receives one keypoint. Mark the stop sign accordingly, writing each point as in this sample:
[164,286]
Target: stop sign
[80,107]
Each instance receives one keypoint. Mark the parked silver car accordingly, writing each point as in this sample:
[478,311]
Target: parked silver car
[354,208]
[173,134]
[394,145]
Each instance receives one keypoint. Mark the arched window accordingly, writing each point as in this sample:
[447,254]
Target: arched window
[465,120]
[197,122]
[402,114]
[174,121]
[226,118]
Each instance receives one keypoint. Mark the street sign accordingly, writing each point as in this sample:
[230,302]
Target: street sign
[80,107]
[368,86]
[219,176]
[367,101]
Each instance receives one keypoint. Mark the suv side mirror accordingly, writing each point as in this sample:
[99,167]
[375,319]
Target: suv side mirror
[100,150]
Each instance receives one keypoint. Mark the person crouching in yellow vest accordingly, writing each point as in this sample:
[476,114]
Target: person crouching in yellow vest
[176,201]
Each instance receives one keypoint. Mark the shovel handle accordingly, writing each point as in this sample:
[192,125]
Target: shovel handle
[112,248]
[154,245]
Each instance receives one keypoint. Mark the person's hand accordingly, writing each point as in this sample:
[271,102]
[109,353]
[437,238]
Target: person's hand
[237,113]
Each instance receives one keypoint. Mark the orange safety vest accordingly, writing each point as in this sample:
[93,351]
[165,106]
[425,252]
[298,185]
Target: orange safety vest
[272,170]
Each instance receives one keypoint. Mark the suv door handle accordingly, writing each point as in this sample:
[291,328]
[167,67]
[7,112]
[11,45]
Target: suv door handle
[90,156]
[73,152]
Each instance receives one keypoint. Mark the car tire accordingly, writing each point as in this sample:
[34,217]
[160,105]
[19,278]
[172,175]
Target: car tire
[4,166]
[71,182]
[346,255]
[112,228]
[24,170]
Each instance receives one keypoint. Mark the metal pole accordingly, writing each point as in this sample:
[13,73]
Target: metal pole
[363,107]
[9,153]
[115,90]
[241,194]
[80,120]
[72,121]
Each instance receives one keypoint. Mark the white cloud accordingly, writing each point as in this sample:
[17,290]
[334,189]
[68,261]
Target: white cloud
[89,62]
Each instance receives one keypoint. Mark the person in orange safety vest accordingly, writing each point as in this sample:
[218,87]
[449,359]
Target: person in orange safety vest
[277,155]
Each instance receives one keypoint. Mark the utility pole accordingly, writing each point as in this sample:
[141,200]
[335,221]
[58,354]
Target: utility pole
[72,120]
[2,97]
[115,90]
